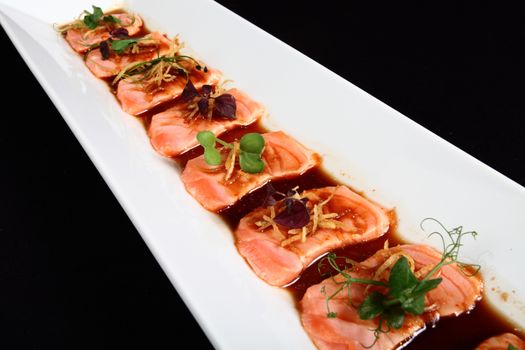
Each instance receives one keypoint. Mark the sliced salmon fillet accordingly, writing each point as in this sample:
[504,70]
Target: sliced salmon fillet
[81,39]
[279,265]
[135,98]
[171,134]
[283,157]
[347,330]
[106,68]
[502,342]
[456,293]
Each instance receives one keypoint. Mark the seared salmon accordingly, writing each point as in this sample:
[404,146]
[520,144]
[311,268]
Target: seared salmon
[172,134]
[82,39]
[283,157]
[135,98]
[106,68]
[457,293]
[279,263]
[502,342]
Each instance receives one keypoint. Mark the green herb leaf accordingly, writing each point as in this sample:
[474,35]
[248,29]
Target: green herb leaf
[212,156]
[251,162]
[118,46]
[512,347]
[252,146]
[402,280]
[97,12]
[372,306]
[111,19]
[207,140]
[426,286]
[395,317]
[91,19]
[414,305]
[252,143]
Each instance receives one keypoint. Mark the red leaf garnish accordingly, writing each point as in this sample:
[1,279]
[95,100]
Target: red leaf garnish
[104,49]
[119,33]
[189,92]
[225,106]
[295,215]
[206,91]
[203,106]
[270,200]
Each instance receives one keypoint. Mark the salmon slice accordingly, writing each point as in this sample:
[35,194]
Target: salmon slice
[457,293]
[106,68]
[82,39]
[136,98]
[279,264]
[502,342]
[172,134]
[283,157]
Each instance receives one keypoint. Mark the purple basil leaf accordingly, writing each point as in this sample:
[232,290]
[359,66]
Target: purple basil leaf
[225,106]
[290,193]
[189,92]
[288,203]
[206,90]
[203,106]
[104,49]
[120,33]
[269,200]
[295,215]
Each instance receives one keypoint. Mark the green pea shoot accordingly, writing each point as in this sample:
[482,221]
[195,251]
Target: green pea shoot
[403,293]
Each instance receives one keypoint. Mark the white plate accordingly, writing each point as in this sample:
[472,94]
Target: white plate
[236,309]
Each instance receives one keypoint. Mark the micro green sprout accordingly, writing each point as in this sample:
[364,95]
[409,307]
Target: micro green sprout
[250,148]
[207,140]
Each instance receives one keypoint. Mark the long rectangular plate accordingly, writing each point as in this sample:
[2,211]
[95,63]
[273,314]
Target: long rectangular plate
[365,144]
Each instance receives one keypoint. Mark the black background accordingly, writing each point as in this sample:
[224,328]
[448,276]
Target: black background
[74,272]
